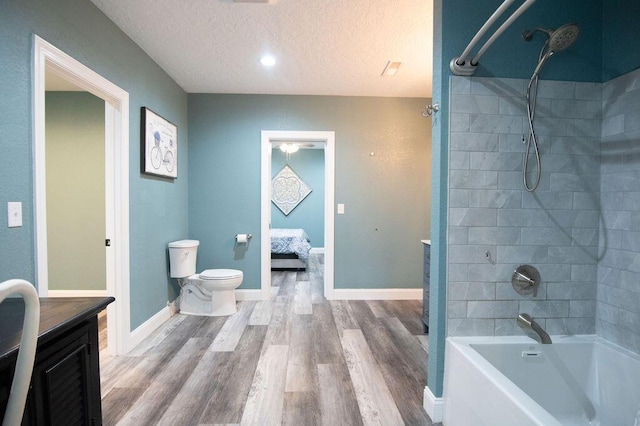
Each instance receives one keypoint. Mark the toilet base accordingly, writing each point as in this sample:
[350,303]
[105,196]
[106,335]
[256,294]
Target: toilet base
[195,301]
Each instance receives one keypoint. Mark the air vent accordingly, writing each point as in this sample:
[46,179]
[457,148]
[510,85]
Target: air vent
[391,68]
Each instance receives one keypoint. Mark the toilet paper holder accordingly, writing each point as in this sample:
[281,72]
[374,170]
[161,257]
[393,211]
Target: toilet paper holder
[249,236]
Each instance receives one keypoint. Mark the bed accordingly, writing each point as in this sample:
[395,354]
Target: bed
[289,249]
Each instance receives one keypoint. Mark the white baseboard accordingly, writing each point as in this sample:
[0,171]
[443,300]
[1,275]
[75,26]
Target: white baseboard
[433,406]
[148,327]
[77,293]
[319,250]
[377,294]
[248,294]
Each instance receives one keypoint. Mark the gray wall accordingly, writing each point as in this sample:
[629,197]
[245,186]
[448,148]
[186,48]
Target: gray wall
[158,207]
[554,228]
[618,309]
[386,196]
[308,164]
[75,191]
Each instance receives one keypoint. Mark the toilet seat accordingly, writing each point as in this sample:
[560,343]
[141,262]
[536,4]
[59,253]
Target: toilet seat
[219,274]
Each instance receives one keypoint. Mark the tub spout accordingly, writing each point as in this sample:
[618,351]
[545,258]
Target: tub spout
[525,321]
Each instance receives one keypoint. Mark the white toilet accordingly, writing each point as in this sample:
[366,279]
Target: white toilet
[210,293]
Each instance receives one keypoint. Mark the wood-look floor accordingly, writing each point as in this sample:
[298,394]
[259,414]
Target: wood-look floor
[296,359]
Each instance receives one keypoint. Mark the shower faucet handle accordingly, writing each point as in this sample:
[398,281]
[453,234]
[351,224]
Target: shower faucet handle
[526,280]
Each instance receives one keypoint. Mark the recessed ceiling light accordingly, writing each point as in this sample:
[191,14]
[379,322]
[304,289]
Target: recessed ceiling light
[268,61]
[391,68]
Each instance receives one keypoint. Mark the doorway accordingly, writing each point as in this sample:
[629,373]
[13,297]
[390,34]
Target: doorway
[326,139]
[49,59]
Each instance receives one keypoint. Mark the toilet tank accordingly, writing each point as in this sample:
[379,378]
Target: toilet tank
[182,258]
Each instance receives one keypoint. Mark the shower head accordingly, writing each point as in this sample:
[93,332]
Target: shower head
[558,39]
[563,37]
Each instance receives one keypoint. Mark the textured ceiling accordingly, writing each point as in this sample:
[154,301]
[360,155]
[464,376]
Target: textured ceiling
[323,47]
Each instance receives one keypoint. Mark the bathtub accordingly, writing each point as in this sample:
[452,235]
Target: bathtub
[578,380]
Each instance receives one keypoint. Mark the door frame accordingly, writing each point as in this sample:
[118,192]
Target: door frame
[48,58]
[327,139]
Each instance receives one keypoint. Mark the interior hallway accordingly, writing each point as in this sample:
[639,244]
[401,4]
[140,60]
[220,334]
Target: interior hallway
[296,359]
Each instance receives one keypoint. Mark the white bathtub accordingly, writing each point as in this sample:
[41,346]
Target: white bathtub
[579,380]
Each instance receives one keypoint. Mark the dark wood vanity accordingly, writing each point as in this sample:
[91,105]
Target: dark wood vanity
[65,385]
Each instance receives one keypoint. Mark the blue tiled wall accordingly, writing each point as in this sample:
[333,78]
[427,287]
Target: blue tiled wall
[618,300]
[495,225]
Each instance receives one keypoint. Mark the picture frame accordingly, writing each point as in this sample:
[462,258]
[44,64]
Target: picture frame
[160,144]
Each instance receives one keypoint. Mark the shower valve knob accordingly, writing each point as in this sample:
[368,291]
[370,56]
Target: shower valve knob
[525,280]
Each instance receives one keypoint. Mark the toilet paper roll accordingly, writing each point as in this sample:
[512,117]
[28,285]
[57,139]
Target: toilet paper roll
[242,238]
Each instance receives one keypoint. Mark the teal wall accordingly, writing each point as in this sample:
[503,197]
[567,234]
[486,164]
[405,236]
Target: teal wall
[308,164]
[386,196]
[620,35]
[512,57]
[75,191]
[158,208]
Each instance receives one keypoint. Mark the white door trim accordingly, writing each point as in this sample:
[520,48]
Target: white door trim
[327,139]
[47,57]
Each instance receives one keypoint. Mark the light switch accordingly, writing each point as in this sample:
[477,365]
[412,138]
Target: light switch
[340,208]
[14,213]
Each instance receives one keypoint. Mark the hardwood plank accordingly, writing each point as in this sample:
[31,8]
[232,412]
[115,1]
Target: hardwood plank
[413,353]
[301,408]
[266,397]
[117,403]
[424,342]
[301,371]
[409,312]
[287,286]
[302,298]
[343,316]
[279,331]
[338,403]
[231,332]
[378,309]
[210,328]
[226,403]
[375,401]
[316,277]
[276,278]
[152,404]
[188,404]
[403,381]
[262,312]
[326,341]
[157,336]
[112,372]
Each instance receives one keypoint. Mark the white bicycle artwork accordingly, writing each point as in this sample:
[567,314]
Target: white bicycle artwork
[158,158]
[161,145]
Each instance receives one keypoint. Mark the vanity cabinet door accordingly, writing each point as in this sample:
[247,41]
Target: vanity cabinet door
[64,384]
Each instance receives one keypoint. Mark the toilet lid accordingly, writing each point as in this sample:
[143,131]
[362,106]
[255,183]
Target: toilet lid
[220,274]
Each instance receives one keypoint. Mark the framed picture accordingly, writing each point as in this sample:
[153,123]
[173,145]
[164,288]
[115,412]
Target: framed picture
[160,144]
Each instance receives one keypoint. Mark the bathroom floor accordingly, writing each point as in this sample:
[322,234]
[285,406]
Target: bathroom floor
[296,359]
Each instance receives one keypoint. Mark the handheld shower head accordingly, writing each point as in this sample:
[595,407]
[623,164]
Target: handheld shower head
[563,37]
[557,40]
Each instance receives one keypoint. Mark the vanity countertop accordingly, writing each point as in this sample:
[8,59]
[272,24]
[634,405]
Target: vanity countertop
[56,315]
[427,242]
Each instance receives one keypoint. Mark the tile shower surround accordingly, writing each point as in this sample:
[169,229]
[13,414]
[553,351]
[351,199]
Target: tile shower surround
[580,228]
